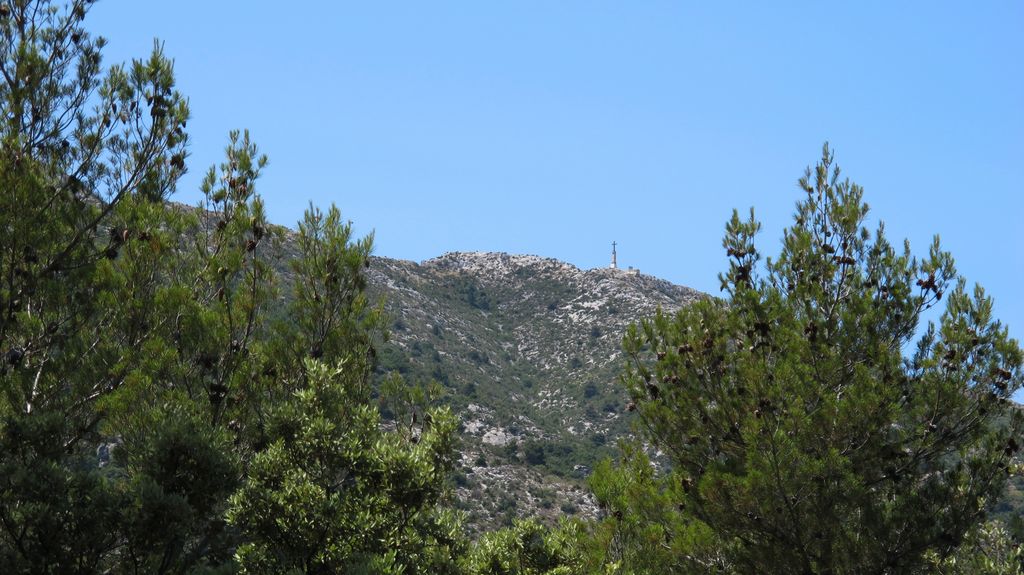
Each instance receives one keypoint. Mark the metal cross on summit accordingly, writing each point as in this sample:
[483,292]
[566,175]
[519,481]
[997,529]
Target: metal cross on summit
[615,264]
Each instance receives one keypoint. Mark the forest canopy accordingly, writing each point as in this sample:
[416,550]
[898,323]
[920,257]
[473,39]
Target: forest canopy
[174,401]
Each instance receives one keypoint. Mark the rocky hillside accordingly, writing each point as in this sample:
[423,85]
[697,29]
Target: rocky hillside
[529,351]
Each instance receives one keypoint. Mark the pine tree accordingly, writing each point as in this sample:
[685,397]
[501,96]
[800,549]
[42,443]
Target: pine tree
[329,490]
[150,381]
[803,428]
[86,161]
[641,529]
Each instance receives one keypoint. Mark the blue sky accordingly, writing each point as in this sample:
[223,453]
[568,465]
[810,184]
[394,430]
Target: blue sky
[554,128]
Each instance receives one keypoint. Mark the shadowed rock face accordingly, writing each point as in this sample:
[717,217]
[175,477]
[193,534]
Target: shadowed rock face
[529,349]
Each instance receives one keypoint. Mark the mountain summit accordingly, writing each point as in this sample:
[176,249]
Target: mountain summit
[529,349]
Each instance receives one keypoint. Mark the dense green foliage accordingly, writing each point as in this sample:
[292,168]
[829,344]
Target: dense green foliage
[333,492]
[644,531]
[155,417]
[798,432]
[162,411]
[527,548]
[988,549]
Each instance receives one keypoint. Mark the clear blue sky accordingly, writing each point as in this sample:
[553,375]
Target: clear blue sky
[554,128]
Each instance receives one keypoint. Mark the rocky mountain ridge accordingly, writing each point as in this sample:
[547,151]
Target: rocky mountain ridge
[529,349]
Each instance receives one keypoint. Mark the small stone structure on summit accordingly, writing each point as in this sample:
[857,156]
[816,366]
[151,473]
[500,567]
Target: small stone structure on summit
[615,263]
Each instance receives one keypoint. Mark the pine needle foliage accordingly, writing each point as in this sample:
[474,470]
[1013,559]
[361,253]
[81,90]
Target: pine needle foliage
[157,412]
[812,424]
